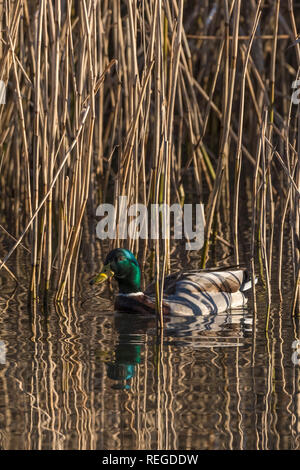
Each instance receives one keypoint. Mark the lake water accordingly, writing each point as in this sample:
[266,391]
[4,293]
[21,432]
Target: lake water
[83,377]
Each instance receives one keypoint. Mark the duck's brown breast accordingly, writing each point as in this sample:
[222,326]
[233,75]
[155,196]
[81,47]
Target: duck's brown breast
[137,303]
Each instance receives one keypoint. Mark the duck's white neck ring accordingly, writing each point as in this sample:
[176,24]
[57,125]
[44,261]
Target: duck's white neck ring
[131,294]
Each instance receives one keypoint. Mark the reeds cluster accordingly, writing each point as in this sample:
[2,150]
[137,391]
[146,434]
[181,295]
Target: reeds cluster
[161,101]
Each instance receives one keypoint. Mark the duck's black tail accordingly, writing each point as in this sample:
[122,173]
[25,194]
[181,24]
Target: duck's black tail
[247,281]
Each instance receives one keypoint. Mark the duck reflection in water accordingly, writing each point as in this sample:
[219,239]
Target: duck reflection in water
[131,329]
[219,331]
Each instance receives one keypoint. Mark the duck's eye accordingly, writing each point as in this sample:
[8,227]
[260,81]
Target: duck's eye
[120,258]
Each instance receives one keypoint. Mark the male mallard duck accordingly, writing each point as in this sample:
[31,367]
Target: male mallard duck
[195,292]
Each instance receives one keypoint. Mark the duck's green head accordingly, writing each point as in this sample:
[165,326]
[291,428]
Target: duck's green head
[122,265]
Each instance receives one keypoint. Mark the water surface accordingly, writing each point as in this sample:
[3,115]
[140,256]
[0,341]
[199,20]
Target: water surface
[80,376]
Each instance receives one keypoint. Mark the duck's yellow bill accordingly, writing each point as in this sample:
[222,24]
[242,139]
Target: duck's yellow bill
[105,274]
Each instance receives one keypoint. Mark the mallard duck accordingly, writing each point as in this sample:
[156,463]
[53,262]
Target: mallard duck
[192,293]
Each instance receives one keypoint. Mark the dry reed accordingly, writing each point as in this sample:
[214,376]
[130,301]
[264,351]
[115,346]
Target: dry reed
[109,99]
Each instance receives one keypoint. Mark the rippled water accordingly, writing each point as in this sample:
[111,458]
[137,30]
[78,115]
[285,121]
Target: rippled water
[83,377]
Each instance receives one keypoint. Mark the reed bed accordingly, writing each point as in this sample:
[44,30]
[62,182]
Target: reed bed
[161,101]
